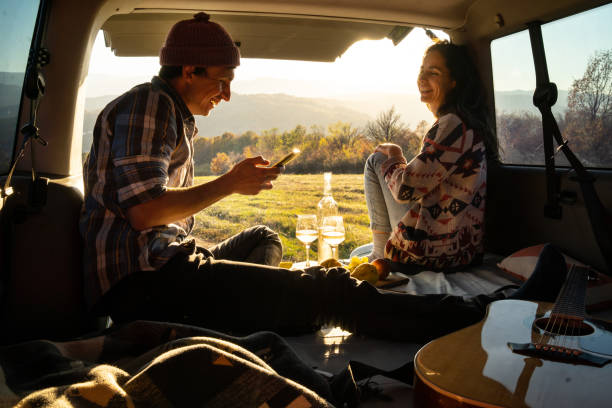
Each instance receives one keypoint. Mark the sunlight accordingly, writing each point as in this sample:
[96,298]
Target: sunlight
[334,335]
[367,66]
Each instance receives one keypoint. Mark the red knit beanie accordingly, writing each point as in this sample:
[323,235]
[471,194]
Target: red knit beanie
[199,42]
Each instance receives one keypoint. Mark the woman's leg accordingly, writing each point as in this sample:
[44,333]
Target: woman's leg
[547,278]
[383,210]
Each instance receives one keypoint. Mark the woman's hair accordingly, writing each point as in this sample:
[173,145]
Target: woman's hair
[467,98]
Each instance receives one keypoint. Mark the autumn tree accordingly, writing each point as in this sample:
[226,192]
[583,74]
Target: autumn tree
[421,129]
[344,133]
[520,137]
[248,152]
[293,138]
[592,94]
[220,163]
[386,128]
[588,120]
[340,147]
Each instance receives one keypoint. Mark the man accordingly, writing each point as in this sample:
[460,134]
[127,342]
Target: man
[140,262]
[140,199]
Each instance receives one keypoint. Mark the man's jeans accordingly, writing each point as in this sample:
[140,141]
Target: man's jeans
[238,297]
[259,245]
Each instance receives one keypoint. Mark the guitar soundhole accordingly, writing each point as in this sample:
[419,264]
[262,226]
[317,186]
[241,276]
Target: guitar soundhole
[564,327]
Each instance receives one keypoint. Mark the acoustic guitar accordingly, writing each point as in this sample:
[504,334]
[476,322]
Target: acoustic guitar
[523,354]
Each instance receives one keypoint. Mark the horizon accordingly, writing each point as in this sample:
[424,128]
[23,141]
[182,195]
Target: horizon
[340,96]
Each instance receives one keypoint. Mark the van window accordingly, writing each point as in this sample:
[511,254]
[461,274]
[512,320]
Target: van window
[17,20]
[579,58]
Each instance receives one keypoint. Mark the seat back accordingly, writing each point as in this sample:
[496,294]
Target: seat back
[41,261]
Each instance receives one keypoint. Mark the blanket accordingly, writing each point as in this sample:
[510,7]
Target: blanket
[154,364]
[475,280]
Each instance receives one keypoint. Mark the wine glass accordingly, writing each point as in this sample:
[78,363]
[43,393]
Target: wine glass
[306,231]
[332,229]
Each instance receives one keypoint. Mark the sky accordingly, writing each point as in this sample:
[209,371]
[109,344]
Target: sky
[379,66]
[367,66]
[568,44]
[16,21]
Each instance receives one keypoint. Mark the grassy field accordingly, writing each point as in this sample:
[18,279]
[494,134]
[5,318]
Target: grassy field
[278,208]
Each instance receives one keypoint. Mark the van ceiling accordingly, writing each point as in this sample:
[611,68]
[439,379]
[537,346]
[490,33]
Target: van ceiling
[278,37]
[317,30]
[321,30]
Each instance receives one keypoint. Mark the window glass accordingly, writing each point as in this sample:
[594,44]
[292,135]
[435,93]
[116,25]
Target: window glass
[17,19]
[519,126]
[579,58]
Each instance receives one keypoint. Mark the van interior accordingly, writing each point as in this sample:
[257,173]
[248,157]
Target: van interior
[534,197]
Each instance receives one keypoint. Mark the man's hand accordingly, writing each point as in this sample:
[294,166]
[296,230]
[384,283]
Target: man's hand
[389,149]
[247,177]
[250,176]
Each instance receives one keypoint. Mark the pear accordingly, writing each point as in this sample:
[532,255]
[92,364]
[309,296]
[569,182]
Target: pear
[330,263]
[367,272]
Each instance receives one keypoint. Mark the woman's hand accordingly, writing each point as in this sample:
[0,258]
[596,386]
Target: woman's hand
[389,149]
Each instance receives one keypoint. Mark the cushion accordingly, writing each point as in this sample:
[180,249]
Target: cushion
[522,263]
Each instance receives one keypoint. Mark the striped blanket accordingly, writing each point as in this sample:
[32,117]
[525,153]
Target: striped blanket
[152,364]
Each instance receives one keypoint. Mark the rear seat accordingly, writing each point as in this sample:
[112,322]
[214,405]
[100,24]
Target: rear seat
[42,278]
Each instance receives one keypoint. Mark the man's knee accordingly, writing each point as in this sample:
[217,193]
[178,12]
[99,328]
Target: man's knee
[264,233]
[269,249]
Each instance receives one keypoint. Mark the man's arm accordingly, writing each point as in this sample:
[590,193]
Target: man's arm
[246,177]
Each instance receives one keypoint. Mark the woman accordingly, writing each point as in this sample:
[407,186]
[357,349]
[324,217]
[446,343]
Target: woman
[429,212]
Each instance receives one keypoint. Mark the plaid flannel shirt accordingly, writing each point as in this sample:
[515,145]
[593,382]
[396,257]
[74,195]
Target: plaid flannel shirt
[143,143]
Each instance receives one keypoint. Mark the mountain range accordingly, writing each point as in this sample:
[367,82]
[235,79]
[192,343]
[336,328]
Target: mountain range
[258,112]
[264,111]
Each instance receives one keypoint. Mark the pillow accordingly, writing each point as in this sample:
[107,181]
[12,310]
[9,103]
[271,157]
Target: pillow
[522,263]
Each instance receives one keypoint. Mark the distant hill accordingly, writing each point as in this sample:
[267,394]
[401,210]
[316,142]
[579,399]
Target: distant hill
[10,89]
[258,112]
[265,111]
[516,101]
[254,112]
[98,103]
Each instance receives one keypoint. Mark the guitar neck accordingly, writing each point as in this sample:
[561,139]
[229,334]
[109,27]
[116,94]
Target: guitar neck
[571,300]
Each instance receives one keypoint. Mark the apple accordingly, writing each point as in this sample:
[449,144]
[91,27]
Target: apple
[383,267]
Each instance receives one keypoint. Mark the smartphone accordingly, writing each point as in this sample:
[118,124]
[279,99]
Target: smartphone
[287,158]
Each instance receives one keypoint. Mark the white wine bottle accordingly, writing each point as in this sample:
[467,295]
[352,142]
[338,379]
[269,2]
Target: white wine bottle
[327,206]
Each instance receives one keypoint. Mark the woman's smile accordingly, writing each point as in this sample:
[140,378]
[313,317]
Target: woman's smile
[434,81]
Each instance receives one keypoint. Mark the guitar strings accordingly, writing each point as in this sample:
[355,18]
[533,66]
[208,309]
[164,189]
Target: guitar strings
[564,340]
[573,316]
[547,337]
[575,323]
[544,338]
[578,293]
[564,323]
[555,320]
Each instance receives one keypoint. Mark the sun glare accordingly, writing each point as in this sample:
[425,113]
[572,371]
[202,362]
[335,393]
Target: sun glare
[367,66]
